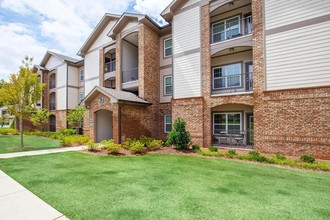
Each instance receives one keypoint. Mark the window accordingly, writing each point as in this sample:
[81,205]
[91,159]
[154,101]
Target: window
[227,123]
[102,100]
[168,85]
[82,75]
[227,76]
[168,47]
[82,96]
[167,123]
[226,29]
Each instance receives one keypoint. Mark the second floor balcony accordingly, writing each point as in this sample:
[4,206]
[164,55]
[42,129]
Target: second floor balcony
[110,70]
[130,75]
[231,28]
[232,83]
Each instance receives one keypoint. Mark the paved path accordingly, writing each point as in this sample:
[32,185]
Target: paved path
[16,202]
[39,152]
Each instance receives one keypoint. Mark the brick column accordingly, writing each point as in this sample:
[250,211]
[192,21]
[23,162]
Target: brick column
[118,62]
[101,72]
[206,73]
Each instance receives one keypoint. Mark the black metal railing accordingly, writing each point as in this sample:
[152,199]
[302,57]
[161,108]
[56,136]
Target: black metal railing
[130,75]
[233,137]
[233,83]
[110,66]
[227,30]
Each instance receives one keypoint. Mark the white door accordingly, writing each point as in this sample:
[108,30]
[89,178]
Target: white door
[104,130]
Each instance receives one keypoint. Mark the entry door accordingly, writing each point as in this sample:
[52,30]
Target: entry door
[249,76]
[250,128]
[103,125]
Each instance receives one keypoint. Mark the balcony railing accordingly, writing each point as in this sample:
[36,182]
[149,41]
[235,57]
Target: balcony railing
[130,75]
[110,66]
[233,137]
[52,106]
[241,82]
[231,28]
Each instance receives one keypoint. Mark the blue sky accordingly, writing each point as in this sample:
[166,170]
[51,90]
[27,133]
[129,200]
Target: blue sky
[31,27]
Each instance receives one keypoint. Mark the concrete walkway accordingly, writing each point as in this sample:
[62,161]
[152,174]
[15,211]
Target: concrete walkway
[39,152]
[16,202]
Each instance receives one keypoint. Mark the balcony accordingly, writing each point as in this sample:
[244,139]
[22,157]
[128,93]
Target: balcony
[233,83]
[231,28]
[110,70]
[130,78]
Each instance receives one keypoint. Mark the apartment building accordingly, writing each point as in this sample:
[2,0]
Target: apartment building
[243,73]
[64,80]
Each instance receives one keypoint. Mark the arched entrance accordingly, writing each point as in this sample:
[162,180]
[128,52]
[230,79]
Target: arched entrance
[104,125]
[52,123]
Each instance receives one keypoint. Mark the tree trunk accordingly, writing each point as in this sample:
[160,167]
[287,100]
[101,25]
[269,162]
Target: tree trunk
[21,130]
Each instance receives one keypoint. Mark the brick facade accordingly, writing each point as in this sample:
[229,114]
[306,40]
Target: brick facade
[60,119]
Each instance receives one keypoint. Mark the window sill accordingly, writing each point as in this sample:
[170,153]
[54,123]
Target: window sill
[232,94]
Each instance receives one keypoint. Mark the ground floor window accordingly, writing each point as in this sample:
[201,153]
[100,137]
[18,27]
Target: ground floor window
[227,123]
[167,123]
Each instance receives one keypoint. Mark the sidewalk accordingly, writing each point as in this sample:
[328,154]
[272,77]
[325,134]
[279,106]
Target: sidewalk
[16,202]
[39,152]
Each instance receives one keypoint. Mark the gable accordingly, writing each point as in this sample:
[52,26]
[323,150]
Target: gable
[53,62]
[103,37]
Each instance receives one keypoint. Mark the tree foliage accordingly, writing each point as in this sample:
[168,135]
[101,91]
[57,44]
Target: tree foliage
[40,118]
[75,116]
[22,92]
[179,137]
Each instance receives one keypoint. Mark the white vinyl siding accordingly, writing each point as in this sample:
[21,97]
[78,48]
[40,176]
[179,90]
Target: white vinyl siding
[187,76]
[190,2]
[186,31]
[91,70]
[298,58]
[283,12]
[61,99]
[53,62]
[103,37]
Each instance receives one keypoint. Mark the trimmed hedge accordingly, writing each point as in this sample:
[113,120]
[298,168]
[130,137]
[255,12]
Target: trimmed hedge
[8,131]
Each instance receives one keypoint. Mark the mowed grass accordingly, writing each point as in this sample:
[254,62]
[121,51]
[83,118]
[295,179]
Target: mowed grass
[11,143]
[84,186]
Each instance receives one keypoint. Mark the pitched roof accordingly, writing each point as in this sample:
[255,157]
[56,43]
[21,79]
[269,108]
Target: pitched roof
[167,13]
[115,96]
[97,31]
[59,56]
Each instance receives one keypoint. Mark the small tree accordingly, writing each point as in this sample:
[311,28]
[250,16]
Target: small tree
[75,116]
[179,137]
[40,118]
[21,93]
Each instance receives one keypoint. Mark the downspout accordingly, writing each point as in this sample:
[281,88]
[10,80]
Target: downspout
[67,92]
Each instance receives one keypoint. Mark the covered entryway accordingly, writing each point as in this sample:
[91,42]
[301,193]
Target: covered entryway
[104,125]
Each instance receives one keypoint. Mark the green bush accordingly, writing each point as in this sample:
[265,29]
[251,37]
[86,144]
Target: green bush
[213,149]
[91,146]
[111,146]
[137,147]
[75,140]
[231,153]
[307,158]
[253,156]
[154,144]
[179,137]
[196,148]
[7,131]
[210,153]
[128,143]
[12,124]
[145,140]
[68,132]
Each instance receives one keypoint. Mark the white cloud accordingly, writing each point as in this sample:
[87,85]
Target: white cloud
[17,42]
[152,8]
[60,24]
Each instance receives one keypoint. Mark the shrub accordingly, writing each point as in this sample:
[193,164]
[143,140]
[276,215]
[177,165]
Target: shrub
[179,137]
[91,146]
[213,149]
[7,131]
[196,148]
[75,140]
[111,146]
[145,140]
[155,144]
[307,158]
[128,143]
[67,132]
[210,153]
[231,153]
[253,156]
[137,147]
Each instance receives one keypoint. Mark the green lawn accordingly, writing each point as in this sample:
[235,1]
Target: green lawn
[11,143]
[170,187]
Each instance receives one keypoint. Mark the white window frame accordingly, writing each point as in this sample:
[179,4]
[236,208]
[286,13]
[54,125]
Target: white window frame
[226,77]
[83,75]
[165,77]
[81,96]
[170,38]
[225,27]
[226,113]
[165,123]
